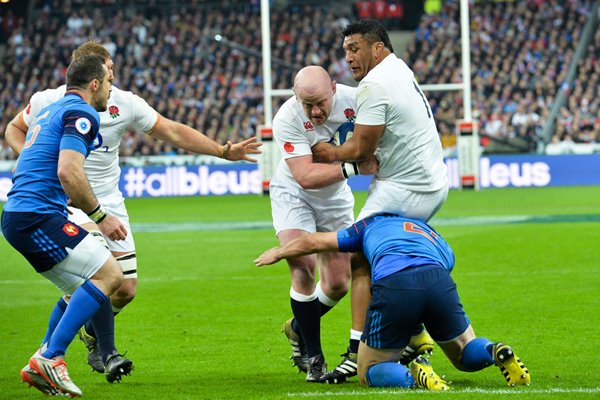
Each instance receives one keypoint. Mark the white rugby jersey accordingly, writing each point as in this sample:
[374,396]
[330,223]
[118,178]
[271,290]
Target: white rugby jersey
[409,150]
[125,110]
[295,134]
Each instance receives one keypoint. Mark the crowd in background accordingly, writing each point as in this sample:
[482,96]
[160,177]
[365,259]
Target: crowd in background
[520,55]
[200,62]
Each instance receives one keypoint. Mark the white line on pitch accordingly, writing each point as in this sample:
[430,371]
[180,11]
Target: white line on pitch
[460,391]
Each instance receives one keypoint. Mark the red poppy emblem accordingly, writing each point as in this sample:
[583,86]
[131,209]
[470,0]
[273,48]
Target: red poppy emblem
[349,113]
[28,109]
[288,147]
[70,229]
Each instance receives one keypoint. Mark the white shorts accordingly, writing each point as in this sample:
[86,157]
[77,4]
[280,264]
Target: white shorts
[114,204]
[295,209]
[81,264]
[387,197]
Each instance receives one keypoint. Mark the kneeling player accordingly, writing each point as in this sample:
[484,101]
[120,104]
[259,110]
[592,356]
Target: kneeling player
[411,266]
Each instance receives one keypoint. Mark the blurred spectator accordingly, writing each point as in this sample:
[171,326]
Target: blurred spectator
[520,54]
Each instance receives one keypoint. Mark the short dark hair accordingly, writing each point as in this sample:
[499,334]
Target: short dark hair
[371,30]
[83,70]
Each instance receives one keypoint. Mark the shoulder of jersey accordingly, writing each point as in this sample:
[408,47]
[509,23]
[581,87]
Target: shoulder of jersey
[288,109]
[345,89]
[50,95]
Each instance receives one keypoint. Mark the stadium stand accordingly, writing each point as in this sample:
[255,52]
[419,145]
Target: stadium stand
[168,52]
[520,54]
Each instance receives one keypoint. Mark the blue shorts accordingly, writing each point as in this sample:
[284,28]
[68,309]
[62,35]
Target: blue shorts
[42,238]
[403,301]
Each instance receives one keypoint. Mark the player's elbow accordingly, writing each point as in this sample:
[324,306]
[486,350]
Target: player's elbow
[63,174]
[307,183]
[14,137]
[363,152]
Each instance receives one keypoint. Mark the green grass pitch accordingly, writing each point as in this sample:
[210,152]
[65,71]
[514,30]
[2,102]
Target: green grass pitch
[206,323]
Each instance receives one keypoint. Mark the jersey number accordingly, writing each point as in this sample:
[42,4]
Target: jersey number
[430,235]
[33,132]
[422,97]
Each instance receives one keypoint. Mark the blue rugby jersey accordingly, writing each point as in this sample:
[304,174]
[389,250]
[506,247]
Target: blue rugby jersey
[392,243]
[70,123]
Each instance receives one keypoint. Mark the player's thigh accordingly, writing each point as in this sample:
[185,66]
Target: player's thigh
[334,212]
[444,317]
[83,263]
[396,310]
[291,210]
[369,356]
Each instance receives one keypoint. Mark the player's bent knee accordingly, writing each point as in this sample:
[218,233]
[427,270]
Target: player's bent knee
[125,294]
[112,275]
[389,374]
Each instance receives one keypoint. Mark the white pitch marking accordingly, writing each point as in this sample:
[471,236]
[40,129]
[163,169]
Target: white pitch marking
[399,392]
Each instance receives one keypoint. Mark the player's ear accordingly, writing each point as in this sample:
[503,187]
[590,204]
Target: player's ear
[333,86]
[94,85]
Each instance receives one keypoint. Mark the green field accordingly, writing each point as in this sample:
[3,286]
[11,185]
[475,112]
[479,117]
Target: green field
[206,323]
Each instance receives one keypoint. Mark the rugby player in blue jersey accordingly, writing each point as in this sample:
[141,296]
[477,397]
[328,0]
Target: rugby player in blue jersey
[48,174]
[411,285]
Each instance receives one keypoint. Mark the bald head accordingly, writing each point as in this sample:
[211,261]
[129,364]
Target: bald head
[314,89]
[311,80]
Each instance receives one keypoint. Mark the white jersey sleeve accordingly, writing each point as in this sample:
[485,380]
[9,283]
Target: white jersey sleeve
[125,111]
[372,101]
[291,141]
[40,100]
[144,116]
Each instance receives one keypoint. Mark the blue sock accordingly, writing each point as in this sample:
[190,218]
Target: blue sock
[389,374]
[85,303]
[55,316]
[477,354]
[104,330]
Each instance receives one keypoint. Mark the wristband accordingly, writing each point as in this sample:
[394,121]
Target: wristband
[98,214]
[349,169]
[222,152]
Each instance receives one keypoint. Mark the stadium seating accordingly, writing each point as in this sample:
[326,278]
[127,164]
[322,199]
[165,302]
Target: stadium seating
[168,52]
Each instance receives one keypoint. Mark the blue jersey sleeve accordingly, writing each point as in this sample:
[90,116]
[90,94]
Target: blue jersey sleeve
[350,240]
[80,130]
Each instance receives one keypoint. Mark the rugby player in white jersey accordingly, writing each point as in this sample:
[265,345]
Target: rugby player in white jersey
[308,197]
[125,111]
[394,121]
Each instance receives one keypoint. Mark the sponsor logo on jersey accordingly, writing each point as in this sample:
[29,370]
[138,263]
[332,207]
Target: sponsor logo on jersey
[113,111]
[288,147]
[309,126]
[70,229]
[83,125]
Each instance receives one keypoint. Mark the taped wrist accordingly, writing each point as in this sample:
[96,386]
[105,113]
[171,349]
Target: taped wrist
[349,169]
[222,152]
[97,214]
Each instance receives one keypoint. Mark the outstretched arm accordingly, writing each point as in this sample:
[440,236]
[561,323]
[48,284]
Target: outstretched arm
[190,139]
[307,244]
